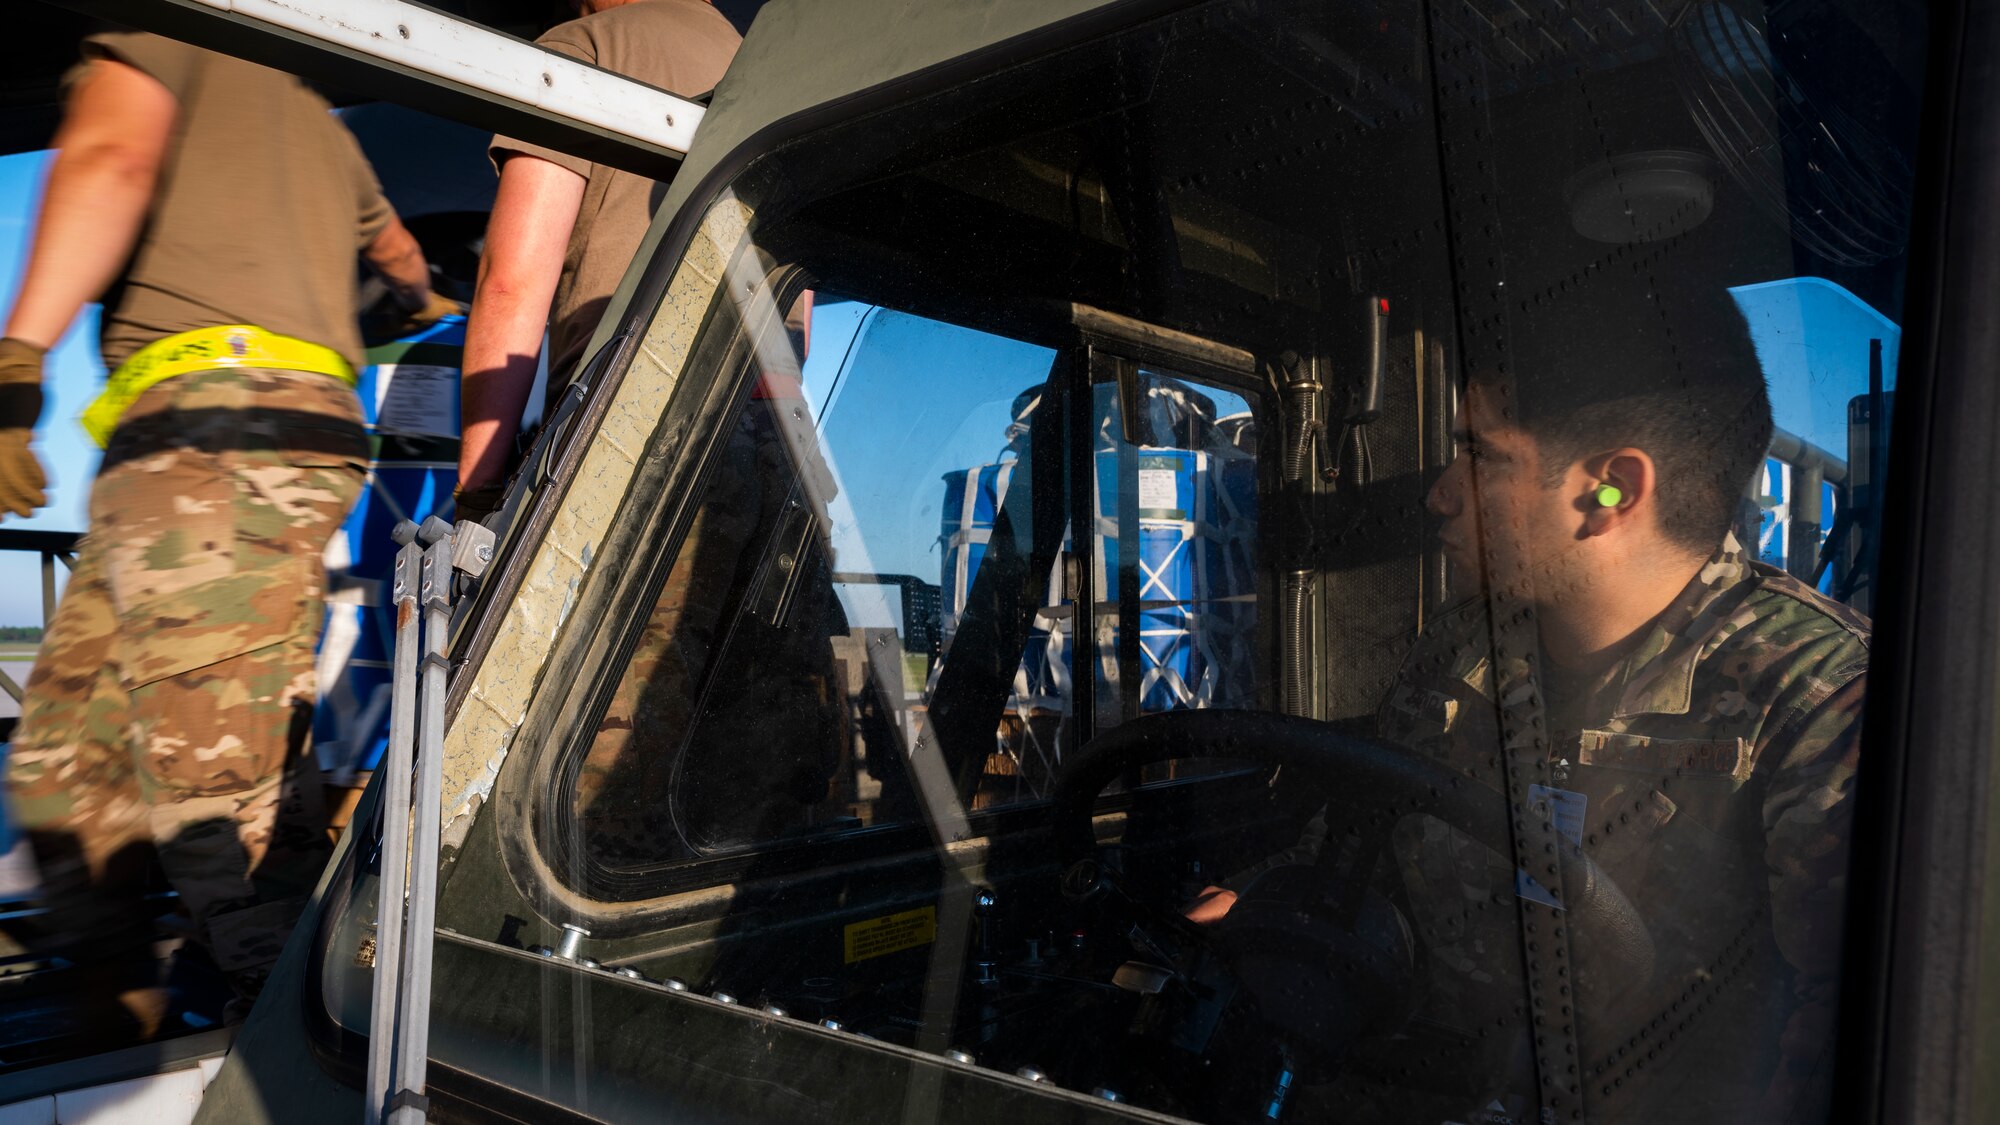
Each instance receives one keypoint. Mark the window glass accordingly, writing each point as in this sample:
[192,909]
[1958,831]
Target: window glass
[805,592]
[781,674]
[1319,569]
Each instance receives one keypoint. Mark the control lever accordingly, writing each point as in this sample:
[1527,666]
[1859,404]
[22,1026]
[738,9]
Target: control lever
[1364,402]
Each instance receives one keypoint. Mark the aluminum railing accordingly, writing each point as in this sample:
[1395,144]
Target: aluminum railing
[53,547]
[1812,467]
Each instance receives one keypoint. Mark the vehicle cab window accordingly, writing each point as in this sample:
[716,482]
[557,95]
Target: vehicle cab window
[1303,565]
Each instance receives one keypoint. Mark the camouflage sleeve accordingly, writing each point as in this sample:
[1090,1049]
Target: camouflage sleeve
[1808,815]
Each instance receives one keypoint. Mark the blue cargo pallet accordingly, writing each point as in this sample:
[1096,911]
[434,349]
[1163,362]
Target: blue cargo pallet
[409,399]
[1774,531]
[1197,583]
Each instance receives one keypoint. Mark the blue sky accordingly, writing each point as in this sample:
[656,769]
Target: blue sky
[901,401]
[914,400]
[74,376]
[1812,338]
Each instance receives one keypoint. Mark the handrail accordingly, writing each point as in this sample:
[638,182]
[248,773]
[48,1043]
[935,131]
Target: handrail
[53,547]
[1798,452]
[920,606]
[31,539]
[1811,466]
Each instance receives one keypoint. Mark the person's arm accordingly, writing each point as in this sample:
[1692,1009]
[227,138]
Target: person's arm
[397,259]
[1216,900]
[1808,821]
[1213,904]
[113,138]
[533,214]
[394,255]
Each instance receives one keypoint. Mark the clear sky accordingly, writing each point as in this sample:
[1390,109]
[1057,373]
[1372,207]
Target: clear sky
[901,401]
[74,377]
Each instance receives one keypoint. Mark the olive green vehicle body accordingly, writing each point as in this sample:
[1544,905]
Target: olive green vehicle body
[802,64]
[520,1035]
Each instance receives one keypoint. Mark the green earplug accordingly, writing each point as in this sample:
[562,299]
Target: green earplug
[1608,496]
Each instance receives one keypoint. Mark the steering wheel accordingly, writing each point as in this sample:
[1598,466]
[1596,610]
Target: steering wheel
[1323,954]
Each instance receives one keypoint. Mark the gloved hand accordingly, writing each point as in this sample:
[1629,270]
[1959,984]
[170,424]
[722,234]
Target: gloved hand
[22,481]
[435,309]
[479,501]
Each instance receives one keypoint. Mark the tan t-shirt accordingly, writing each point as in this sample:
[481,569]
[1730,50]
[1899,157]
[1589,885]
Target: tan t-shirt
[680,46]
[263,202]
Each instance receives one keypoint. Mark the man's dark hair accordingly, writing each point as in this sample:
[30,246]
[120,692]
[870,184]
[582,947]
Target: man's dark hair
[1610,364]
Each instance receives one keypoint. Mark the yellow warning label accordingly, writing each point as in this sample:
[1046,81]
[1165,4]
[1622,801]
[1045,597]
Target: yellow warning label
[891,933]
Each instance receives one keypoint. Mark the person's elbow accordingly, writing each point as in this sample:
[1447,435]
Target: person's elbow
[114,163]
[507,285]
[527,236]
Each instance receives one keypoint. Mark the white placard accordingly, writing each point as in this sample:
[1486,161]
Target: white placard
[416,400]
[1158,489]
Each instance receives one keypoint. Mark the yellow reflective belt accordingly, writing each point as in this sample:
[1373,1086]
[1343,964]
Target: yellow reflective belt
[204,349]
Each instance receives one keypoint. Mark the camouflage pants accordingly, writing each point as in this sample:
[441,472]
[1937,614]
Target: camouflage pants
[167,709]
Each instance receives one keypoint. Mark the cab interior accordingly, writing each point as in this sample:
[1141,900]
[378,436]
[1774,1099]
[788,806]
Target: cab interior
[832,842]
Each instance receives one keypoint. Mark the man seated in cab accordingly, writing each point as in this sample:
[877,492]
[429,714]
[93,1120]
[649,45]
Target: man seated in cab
[1686,715]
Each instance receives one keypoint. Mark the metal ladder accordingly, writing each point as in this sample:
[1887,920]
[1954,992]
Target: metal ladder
[423,588]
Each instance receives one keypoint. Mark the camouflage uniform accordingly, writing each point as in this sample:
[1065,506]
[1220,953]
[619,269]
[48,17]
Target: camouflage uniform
[168,704]
[1708,774]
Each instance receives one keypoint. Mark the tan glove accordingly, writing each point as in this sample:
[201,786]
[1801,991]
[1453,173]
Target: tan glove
[435,309]
[22,481]
[478,502]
